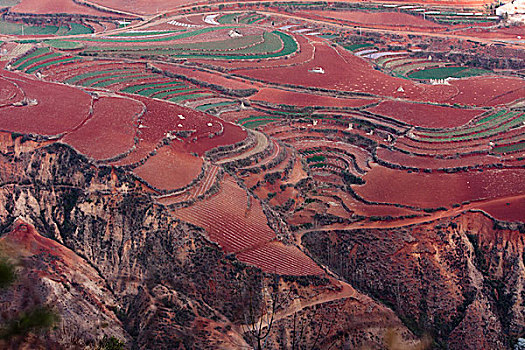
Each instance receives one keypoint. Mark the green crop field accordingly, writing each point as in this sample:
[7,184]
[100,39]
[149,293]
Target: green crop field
[46,64]
[446,72]
[355,47]
[255,121]
[8,3]
[209,106]
[134,88]
[189,97]
[37,52]
[229,44]
[176,36]
[479,126]
[24,29]
[316,159]
[146,33]
[63,45]
[35,60]
[484,130]
[510,148]
[77,29]
[169,92]
[95,80]
[491,117]
[229,18]
[122,80]
[153,91]
[275,44]
[82,76]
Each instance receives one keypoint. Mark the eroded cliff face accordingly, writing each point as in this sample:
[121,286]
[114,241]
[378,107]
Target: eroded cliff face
[113,262]
[156,270]
[51,274]
[461,278]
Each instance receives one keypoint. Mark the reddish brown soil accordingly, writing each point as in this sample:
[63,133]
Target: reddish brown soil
[305,54]
[344,72]
[228,220]
[55,6]
[9,92]
[391,19]
[507,209]
[48,60]
[503,33]
[425,115]
[110,131]
[363,209]
[488,91]
[459,3]
[275,257]
[26,237]
[212,78]
[434,163]
[170,169]
[51,115]
[162,117]
[143,6]
[438,189]
[277,96]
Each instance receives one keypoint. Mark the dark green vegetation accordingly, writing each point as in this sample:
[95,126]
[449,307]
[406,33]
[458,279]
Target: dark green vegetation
[447,72]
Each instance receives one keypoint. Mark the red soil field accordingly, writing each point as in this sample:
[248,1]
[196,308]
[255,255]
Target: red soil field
[244,231]
[277,96]
[162,117]
[305,54]
[212,78]
[64,72]
[425,115]
[342,72]
[143,7]
[438,189]
[51,115]
[488,91]
[503,33]
[506,209]
[434,163]
[346,72]
[228,220]
[56,6]
[458,3]
[170,168]
[391,19]
[9,92]
[110,131]
[49,61]
[363,209]
[275,257]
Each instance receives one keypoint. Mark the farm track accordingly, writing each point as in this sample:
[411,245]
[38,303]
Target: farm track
[474,206]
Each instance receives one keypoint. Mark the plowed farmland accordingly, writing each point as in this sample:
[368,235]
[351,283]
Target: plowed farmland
[205,158]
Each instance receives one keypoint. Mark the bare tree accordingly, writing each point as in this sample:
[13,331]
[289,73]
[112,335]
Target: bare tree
[259,314]
[303,324]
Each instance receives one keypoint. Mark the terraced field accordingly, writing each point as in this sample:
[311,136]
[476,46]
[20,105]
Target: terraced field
[270,131]
[268,45]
